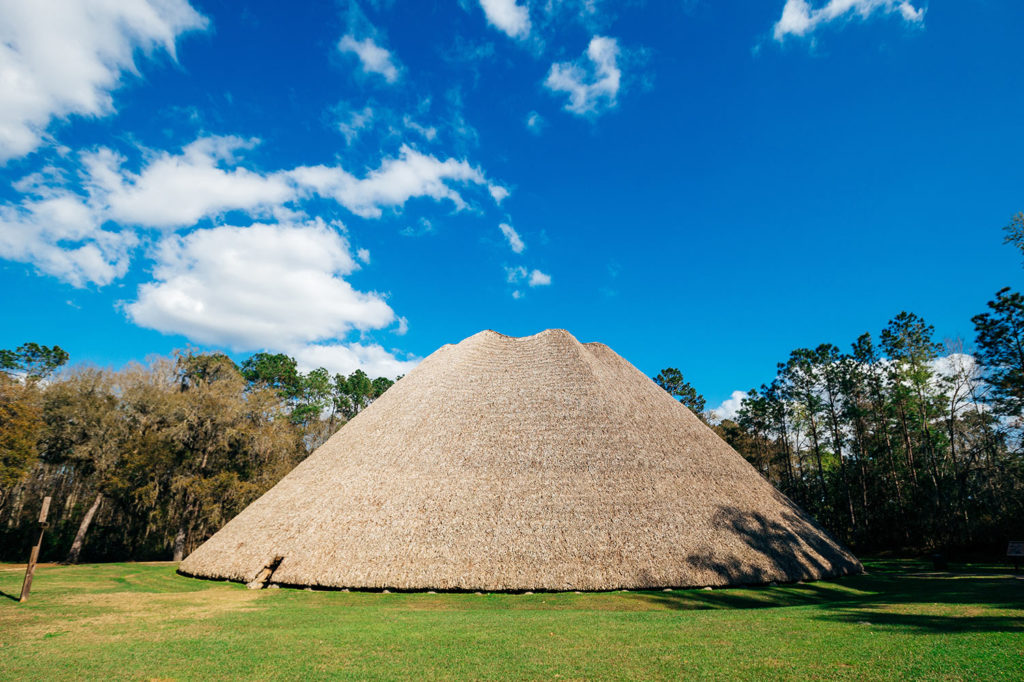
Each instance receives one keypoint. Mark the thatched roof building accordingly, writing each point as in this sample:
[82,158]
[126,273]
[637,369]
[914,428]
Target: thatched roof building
[506,463]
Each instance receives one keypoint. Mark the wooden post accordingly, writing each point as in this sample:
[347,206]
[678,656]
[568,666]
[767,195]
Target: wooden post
[1015,552]
[34,556]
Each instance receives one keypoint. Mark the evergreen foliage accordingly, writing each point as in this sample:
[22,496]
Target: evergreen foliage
[671,379]
[903,445]
[1001,349]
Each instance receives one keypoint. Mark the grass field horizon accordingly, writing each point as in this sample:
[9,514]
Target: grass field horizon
[901,620]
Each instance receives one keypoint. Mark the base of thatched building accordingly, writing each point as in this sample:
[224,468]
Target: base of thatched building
[512,464]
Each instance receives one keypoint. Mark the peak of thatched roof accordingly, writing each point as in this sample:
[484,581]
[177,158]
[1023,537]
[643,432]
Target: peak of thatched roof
[505,463]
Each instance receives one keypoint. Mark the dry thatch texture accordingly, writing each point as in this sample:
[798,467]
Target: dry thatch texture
[508,463]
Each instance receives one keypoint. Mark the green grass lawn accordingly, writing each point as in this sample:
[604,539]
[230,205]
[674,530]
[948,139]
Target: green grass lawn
[142,621]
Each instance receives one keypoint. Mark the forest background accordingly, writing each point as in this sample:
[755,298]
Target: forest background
[903,444]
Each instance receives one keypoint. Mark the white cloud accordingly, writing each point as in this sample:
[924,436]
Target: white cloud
[403,326]
[81,231]
[354,122]
[59,233]
[388,122]
[539,279]
[533,278]
[422,228]
[508,17]
[373,57]
[911,13]
[396,181]
[498,193]
[206,180]
[515,242]
[953,364]
[279,287]
[348,357]
[516,274]
[264,286]
[535,122]
[592,87]
[957,367]
[961,367]
[179,190]
[428,133]
[69,236]
[799,18]
[960,377]
[61,236]
[588,13]
[64,57]
[730,407]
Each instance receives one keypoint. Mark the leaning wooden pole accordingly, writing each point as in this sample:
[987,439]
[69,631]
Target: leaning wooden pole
[34,556]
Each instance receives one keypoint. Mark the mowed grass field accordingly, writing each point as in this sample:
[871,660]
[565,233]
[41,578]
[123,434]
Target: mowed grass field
[143,621]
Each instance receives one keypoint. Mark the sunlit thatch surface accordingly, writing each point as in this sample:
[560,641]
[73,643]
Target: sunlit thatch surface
[532,463]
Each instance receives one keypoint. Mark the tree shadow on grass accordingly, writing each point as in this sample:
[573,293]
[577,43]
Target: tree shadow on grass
[927,623]
[763,597]
[10,596]
[888,600]
[893,598]
[793,548]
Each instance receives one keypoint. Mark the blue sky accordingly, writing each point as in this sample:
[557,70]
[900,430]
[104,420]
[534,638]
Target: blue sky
[698,184]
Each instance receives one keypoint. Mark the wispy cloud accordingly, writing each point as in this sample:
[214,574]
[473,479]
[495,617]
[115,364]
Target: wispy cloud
[519,275]
[498,193]
[411,174]
[535,122]
[799,18]
[372,57]
[515,274]
[352,122]
[515,242]
[61,236]
[591,84]
[56,61]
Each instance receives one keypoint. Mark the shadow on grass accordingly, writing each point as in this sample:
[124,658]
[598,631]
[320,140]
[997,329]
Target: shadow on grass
[887,599]
[10,596]
[796,549]
[748,598]
[928,623]
[787,548]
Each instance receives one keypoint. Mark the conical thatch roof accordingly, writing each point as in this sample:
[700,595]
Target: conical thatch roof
[509,463]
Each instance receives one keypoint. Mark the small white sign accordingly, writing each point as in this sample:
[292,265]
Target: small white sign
[1015,548]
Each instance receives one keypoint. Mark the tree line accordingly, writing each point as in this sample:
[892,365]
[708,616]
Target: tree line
[148,461]
[899,442]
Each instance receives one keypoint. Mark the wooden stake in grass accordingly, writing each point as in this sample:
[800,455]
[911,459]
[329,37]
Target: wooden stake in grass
[34,556]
